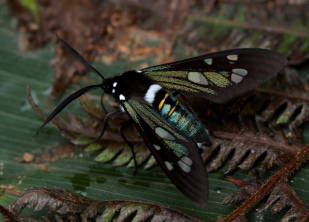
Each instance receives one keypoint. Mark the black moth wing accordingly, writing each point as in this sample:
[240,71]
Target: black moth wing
[219,76]
[171,150]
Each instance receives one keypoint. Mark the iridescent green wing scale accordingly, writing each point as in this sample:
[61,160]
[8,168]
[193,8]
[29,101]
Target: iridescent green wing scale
[219,76]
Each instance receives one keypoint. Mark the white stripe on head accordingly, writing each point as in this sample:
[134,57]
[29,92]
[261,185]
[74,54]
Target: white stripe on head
[151,93]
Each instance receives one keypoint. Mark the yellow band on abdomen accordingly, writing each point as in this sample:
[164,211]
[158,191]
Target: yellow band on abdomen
[163,101]
[173,109]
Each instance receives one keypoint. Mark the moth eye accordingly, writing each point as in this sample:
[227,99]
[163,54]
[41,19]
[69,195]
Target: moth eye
[232,57]
[164,134]
[197,77]
[168,165]
[208,61]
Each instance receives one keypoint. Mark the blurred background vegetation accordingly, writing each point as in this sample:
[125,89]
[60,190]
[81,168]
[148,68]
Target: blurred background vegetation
[117,36]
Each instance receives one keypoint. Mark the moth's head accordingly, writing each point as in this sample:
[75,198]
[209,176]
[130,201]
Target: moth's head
[107,86]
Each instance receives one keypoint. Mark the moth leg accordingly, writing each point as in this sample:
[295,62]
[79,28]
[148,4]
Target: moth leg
[125,126]
[105,123]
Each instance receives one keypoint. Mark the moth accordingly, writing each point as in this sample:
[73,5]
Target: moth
[172,132]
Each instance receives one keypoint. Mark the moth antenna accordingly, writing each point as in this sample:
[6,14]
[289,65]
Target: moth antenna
[68,100]
[79,57]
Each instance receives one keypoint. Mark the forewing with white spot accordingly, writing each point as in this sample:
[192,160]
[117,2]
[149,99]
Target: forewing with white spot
[219,76]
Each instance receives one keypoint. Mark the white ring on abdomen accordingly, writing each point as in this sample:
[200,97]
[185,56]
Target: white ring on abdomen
[151,93]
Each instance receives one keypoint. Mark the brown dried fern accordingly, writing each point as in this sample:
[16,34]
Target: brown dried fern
[279,191]
[67,206]
[246,24]
[267,128]
[264,126]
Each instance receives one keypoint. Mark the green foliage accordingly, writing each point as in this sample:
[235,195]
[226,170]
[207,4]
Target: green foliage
[33,6]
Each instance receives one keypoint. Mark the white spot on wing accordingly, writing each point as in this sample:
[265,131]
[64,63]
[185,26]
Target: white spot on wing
[115,84]
[197,77]
[122,97]
[164,134]
[241,72]
[208,61]
[232,57]
[156,147]
[151,93]
[139,71]
[236,78]
[185,164]
[187,160]
[113,90]
[168,165]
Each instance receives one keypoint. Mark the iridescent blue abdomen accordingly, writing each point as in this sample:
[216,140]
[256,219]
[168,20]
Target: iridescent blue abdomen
[179,116]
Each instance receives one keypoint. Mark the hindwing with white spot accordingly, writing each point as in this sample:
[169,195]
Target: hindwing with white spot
[175,152]
[219,76]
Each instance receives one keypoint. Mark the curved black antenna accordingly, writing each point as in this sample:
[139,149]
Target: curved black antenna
[68,100]
[79,57]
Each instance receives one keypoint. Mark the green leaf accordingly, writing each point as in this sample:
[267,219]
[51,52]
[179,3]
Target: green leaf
[33,6]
